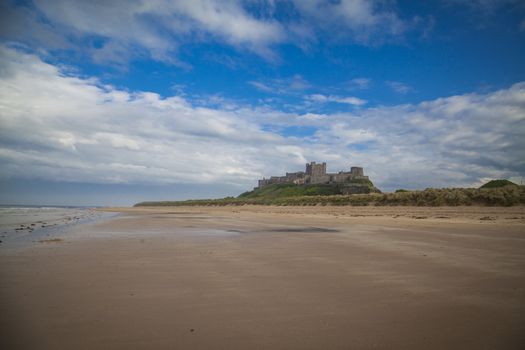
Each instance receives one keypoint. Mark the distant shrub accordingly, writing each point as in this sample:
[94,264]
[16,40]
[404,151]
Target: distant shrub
[498,184]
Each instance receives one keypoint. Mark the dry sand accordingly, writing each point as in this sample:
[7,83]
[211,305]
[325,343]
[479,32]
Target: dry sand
[272,278]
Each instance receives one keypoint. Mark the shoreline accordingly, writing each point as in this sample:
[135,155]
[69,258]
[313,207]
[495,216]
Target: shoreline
[23,226]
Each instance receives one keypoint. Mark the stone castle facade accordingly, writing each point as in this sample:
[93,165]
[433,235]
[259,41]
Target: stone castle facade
[315,174]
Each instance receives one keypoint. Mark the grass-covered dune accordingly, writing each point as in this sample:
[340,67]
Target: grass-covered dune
[507,195]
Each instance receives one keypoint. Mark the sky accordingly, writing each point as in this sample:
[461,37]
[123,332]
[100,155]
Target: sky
[116,102]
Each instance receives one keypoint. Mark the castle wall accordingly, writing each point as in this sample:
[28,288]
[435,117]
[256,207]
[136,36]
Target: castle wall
[263,182]
[279,179]
[319,179]
[340,177]
[294,176]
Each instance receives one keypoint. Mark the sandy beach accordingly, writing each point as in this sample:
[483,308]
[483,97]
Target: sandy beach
[255,277]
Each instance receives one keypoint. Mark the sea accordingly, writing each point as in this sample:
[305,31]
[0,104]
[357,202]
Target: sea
[21,225]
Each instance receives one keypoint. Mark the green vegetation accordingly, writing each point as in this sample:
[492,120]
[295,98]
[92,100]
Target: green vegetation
[498,184]
[287,195]
[292,190]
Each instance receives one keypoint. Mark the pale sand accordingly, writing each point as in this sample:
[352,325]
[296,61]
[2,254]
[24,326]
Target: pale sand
[273,278]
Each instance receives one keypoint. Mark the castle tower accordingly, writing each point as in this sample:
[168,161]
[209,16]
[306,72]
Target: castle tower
[357,171]
[316,173]
[313,169]
[308,170]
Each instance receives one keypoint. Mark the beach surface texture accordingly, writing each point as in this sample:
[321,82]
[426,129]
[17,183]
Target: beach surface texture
[255,277]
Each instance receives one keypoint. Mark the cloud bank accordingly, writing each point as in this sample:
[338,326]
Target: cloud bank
[60,127]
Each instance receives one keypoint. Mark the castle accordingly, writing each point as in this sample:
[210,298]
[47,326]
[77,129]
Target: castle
[316,174]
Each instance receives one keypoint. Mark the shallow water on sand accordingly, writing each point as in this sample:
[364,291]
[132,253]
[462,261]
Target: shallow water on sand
[20,225]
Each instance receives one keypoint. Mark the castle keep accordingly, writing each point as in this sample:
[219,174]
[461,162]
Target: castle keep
[316,174]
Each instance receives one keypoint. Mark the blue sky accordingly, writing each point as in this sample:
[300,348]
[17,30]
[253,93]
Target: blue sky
[117,102]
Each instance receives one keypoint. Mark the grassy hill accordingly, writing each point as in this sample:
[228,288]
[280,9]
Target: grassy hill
[292,190]
[498,184]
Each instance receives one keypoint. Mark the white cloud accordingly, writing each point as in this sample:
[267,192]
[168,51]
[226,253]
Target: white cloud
[339,133]
[317,98]
[355,101]
[290,85]
[261,86]
[359,83]
[399,87]
[351,100]
[59,127]
[361,19]
[117,31]
[124,29]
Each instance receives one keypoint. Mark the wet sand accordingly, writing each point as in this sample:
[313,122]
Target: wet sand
[272,278]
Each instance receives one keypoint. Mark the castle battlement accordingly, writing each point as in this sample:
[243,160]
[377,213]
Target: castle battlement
[315,173]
